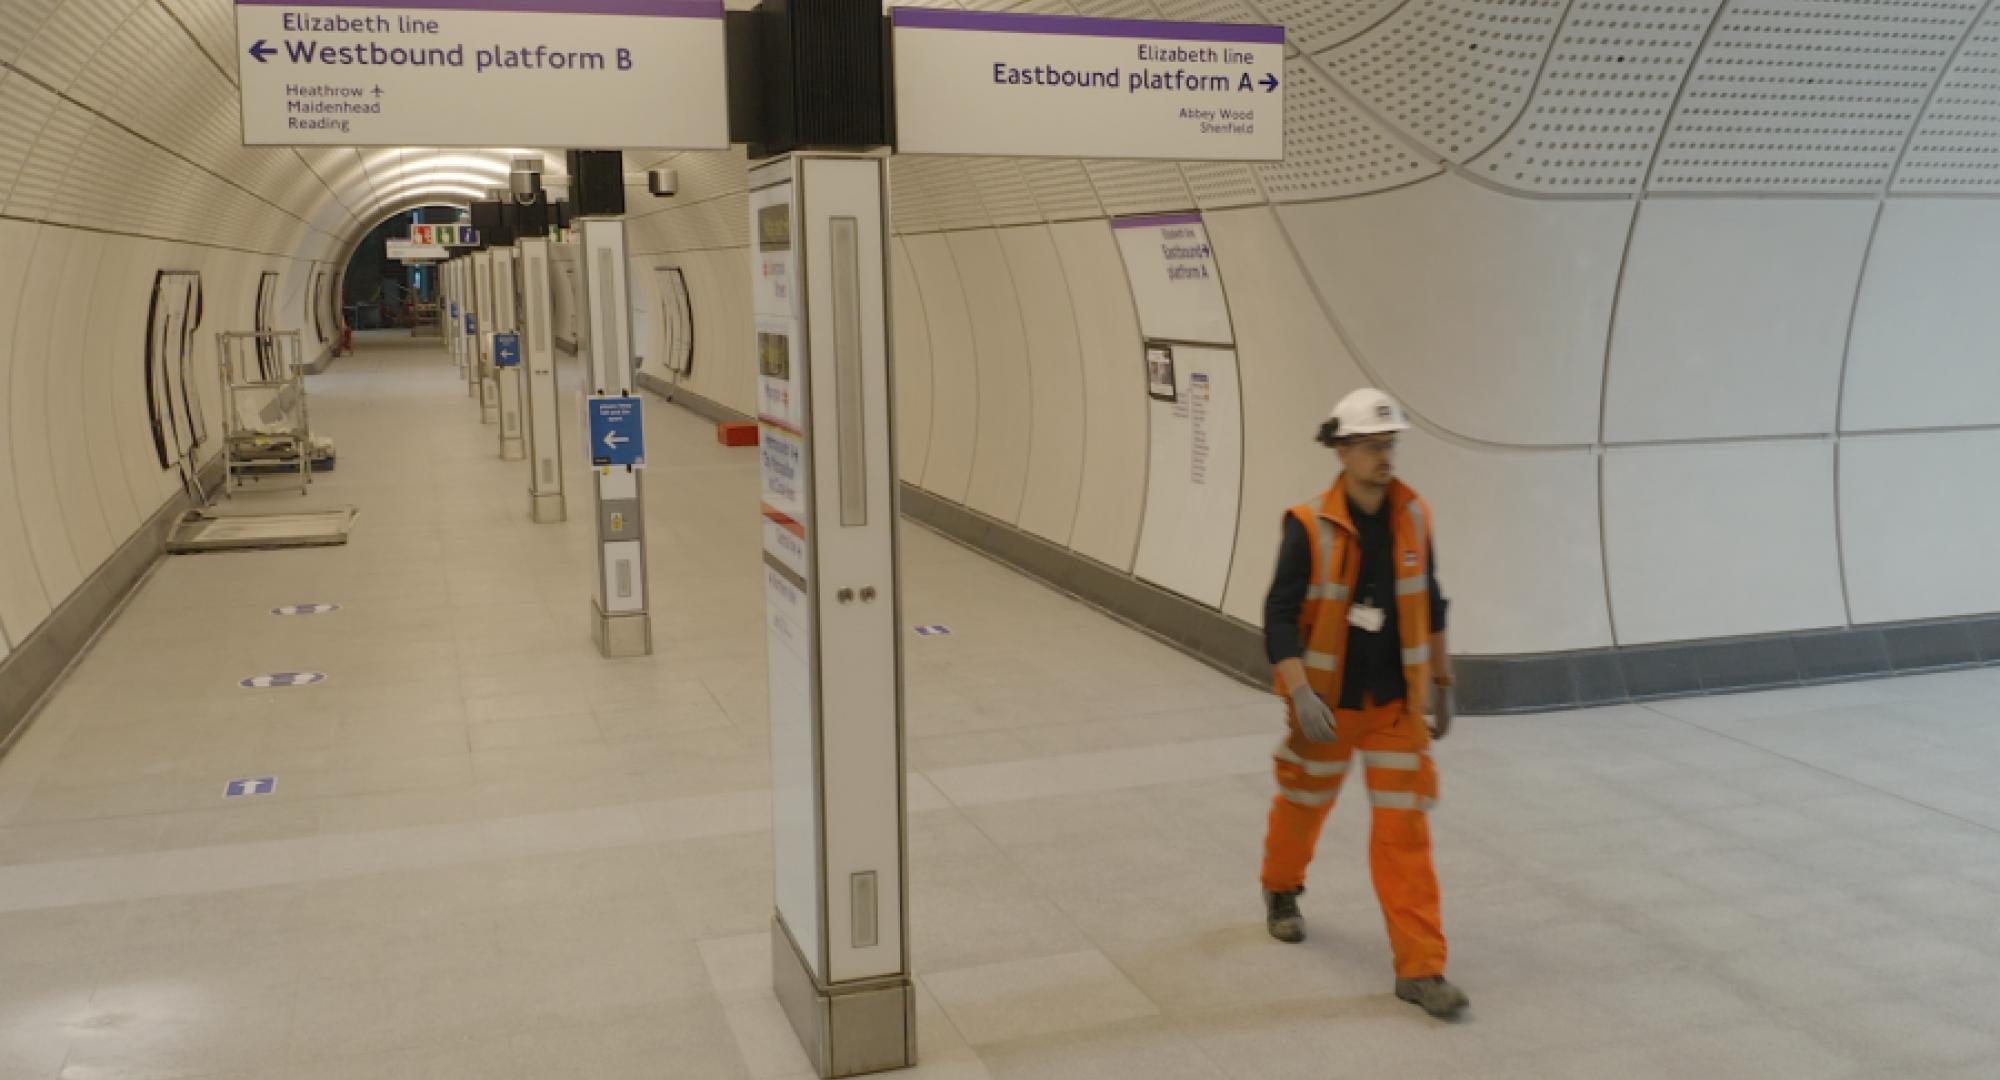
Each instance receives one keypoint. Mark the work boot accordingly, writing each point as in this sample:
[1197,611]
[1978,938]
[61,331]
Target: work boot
[1281,914]
[1434,995]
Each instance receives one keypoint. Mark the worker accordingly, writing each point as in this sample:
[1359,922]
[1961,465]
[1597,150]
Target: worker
[1355,626]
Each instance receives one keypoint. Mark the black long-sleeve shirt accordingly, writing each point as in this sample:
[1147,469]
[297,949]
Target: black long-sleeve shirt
[1373,666]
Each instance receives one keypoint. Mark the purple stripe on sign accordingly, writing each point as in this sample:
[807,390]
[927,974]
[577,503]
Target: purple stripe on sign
[1075,26]
[663,9]
[1155,221]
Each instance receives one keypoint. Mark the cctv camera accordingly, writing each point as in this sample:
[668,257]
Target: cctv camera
[663,182]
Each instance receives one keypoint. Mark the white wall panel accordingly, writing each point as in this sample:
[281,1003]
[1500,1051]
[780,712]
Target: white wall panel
[1194,487]
[67,409]
[1518,549]
[1487,314]
[1292,367]
[732,382]
[1920,521]
[36,486]
[1055,359]
[912,357]
[1925,331]
[1733,317]
[23,601]
[1006,398]
[111,358]
[1721,540]
[1113,489]
[954,371]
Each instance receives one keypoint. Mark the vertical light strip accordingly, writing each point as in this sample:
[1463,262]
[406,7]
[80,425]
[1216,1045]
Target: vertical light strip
[845,244]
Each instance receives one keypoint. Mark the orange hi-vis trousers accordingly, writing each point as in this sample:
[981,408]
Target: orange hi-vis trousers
[1402,786]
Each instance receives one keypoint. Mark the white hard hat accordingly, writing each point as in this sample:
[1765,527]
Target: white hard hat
[1364,412]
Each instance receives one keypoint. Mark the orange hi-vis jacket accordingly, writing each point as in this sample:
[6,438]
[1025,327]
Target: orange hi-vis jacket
[1336,556]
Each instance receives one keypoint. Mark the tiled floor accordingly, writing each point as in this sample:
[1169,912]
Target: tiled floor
[493,856]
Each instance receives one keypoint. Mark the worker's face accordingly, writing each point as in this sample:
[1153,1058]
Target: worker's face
[1370,458]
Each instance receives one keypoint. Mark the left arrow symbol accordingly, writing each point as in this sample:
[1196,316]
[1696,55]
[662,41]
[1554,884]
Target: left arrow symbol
[615,440]
[262,51]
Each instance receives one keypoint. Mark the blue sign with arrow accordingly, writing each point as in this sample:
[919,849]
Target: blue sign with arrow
[471,322]
[617,432]
[507,350]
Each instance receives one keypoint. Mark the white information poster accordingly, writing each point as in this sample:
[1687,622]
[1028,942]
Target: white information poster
[1195,481]
[483,73]
[789,650]
[1175,282]
[794,786]
[1023,85]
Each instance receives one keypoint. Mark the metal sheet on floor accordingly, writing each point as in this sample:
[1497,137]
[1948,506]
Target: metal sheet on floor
[200,530]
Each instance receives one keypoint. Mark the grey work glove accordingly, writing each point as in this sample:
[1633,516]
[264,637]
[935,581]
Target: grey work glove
[1443,711]
[1315,719]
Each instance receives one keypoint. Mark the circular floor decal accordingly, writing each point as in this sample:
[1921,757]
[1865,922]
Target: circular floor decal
[283,678]
[306,609]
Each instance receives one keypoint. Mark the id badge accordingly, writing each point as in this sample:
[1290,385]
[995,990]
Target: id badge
[1367,618]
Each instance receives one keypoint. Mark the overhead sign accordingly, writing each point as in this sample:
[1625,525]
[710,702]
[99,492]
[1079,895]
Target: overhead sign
[448,235]
[981,82]
[405,251]
[482,73]
[617,431]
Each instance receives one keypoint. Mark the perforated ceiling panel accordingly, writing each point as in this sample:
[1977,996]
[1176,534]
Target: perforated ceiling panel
[1117,9]
[24,17]
[1313,25]
[1219,184]
[1807,95]
[908,210]
[69,37]
[949,190]
[1453,73]
[1062,189]
[23,108]
[41,175]
[1603,99]
[1957,145]
[213,24]
[1333,148]
[1139,187]
[1212,11]
[1003,191]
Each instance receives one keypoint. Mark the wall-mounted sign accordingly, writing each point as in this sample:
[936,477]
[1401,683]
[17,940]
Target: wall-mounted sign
[507,350]
[482,73]
[1175,281]
[617,431]
[982,82]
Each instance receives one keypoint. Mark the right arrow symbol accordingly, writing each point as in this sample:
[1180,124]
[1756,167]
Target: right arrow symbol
[262,51]
[1270,82]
